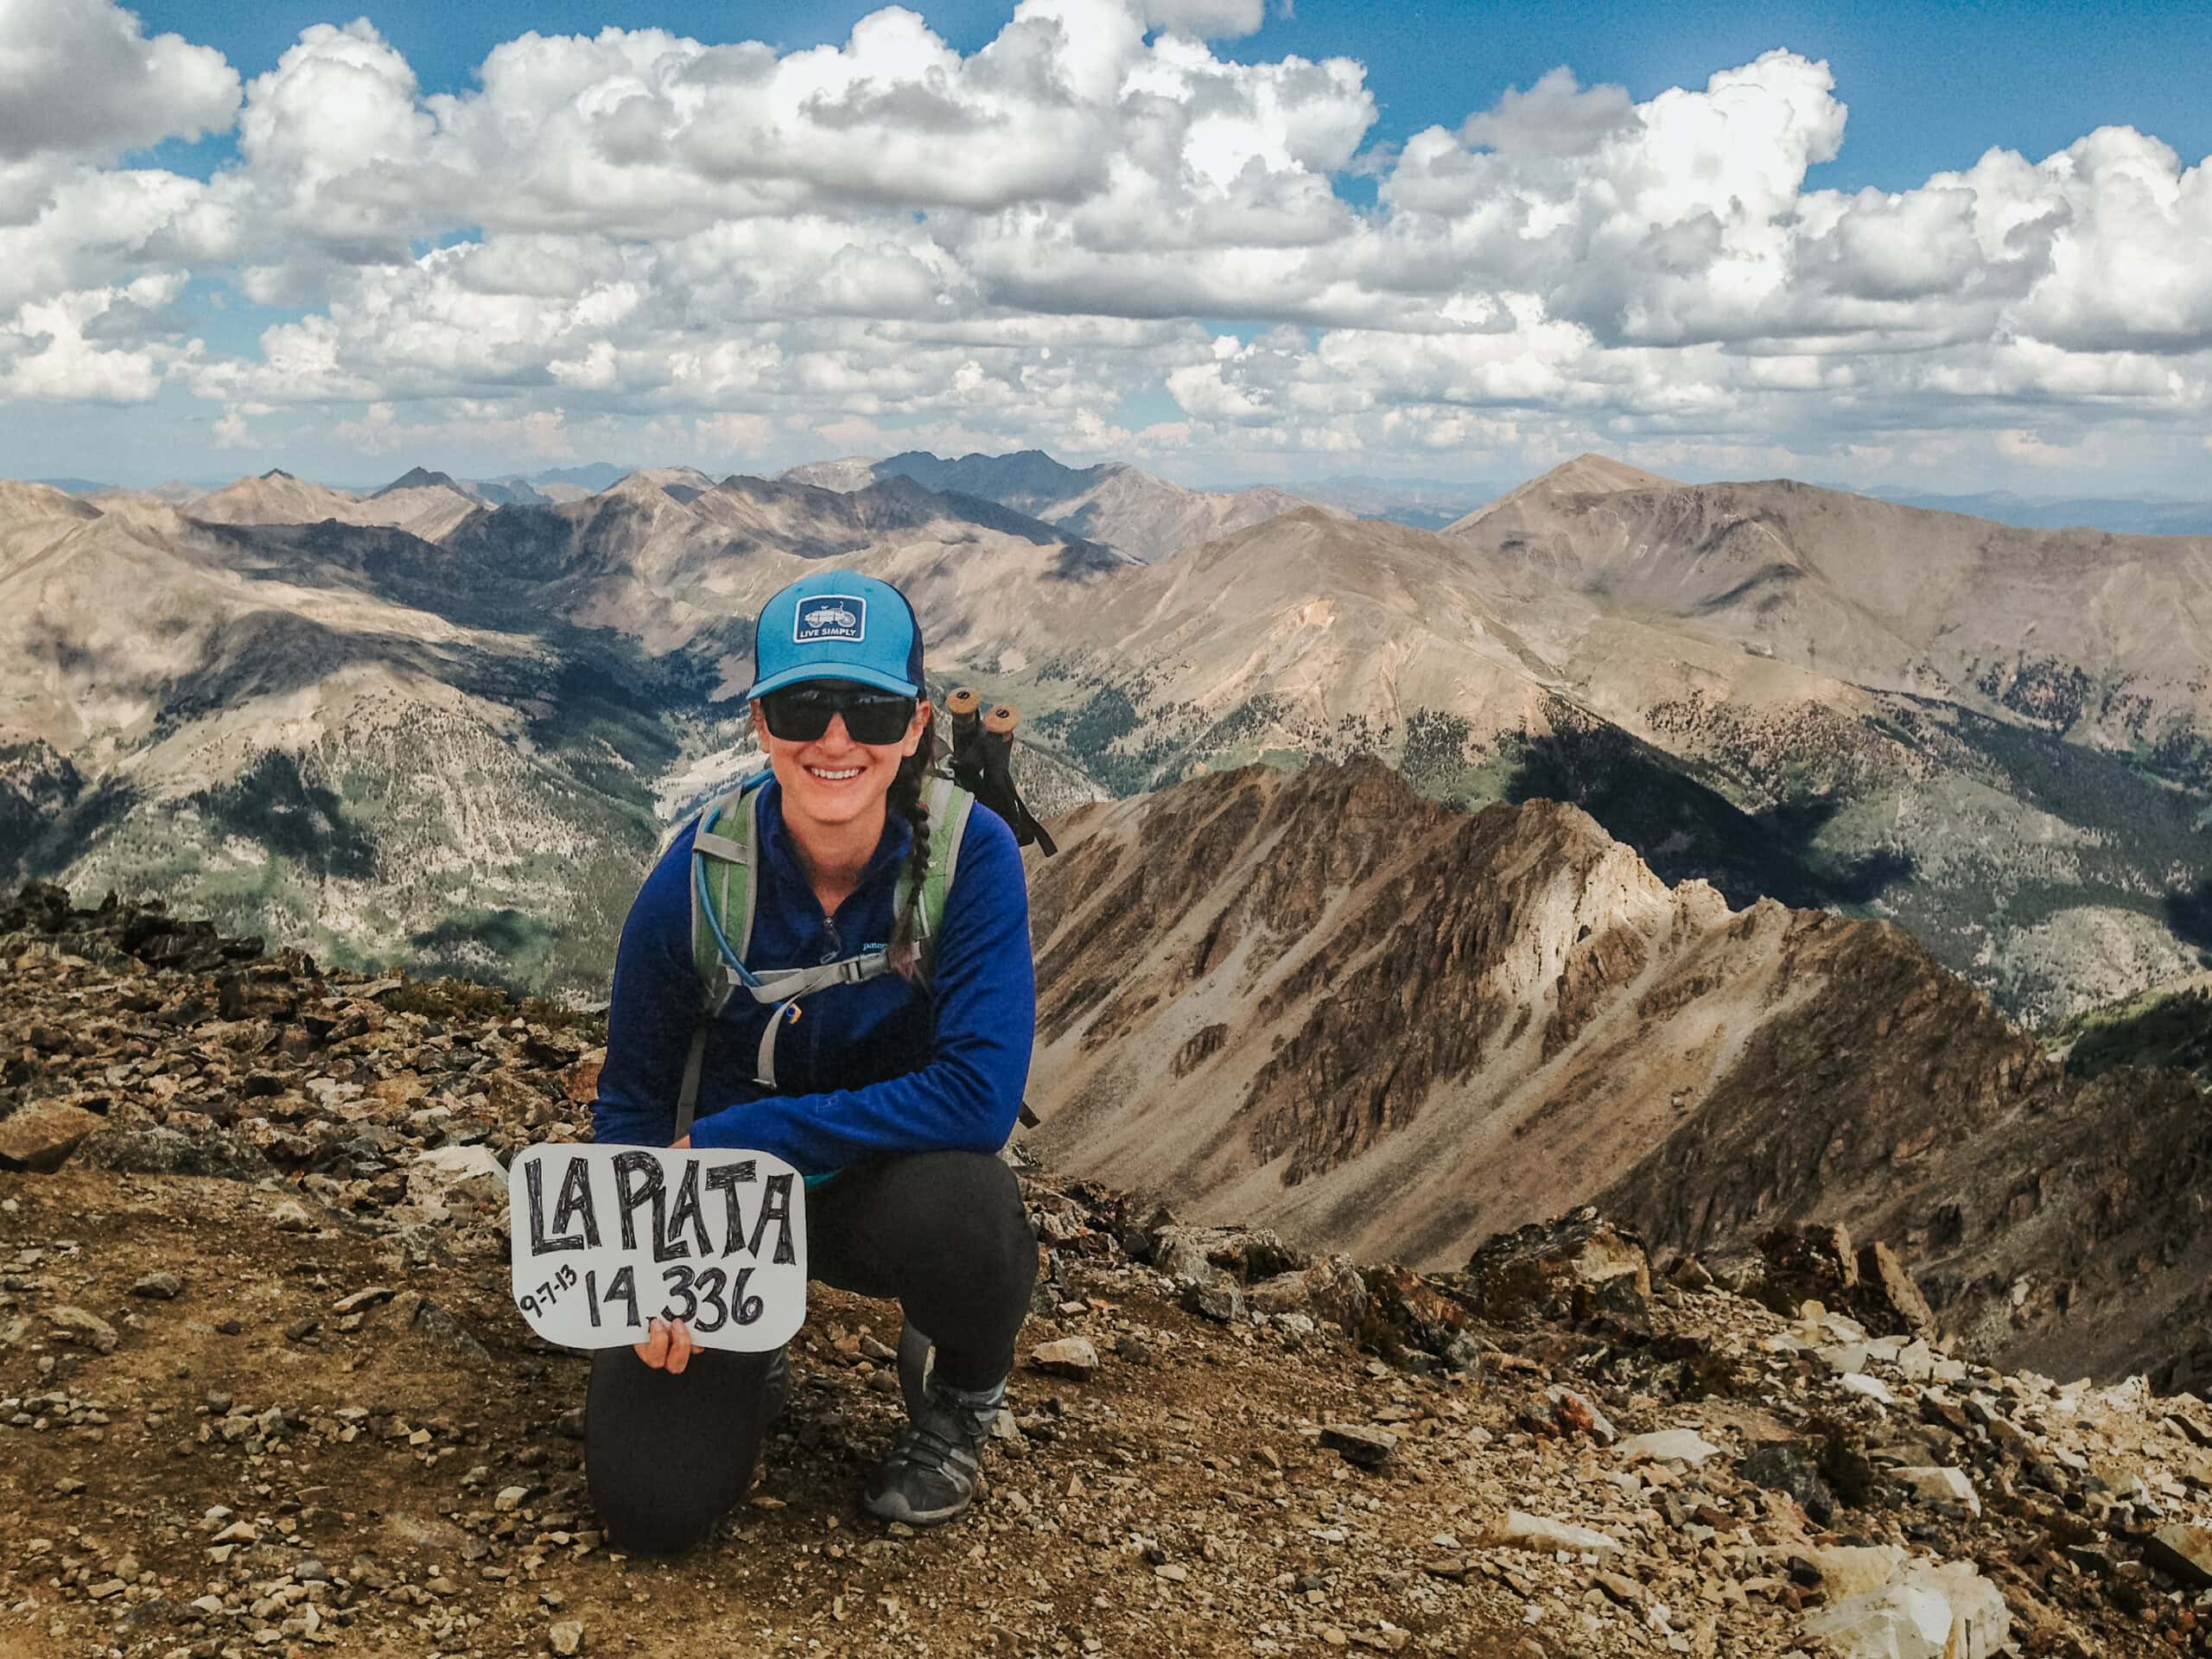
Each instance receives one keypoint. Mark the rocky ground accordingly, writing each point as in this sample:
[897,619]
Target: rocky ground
[262,1389]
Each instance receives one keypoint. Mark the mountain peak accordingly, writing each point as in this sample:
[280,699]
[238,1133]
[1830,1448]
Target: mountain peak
[420,477]
[1019,479]
[1591,474]
[278,474]
[1588,473]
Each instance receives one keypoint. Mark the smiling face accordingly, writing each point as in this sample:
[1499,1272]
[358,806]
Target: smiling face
[832,783]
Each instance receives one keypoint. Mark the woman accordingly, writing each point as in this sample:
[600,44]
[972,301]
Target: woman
[893,1098]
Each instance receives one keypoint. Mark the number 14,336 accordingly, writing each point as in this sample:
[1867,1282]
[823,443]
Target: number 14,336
[709,1300]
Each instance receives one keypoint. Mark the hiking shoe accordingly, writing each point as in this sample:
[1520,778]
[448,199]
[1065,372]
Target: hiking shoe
[938,1461]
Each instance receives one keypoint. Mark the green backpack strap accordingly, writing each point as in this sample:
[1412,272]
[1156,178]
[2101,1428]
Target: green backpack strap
[721,890]
[948,807]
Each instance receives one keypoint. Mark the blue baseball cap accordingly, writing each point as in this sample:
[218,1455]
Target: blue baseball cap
[837,624]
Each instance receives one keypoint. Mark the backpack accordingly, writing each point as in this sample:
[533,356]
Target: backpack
[723,898]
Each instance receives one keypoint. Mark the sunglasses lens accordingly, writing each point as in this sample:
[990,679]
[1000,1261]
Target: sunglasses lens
[796,716]
[803,714]
[880,721]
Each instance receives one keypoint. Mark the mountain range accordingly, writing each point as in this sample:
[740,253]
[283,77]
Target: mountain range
[347,735]
[1995,737]
[1115,504]
[2134,516]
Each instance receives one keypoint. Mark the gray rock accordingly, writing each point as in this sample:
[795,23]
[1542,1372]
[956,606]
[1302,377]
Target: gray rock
[1181,1254]
[160,1287]
[1943,1485]
[1579,1248]
[1331,1289]
[1219,1300]
[155,1149]
[1369,1447]
[566,1638]
[1781,1467]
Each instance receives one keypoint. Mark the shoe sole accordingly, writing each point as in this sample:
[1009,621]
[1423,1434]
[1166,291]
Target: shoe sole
[924,1518]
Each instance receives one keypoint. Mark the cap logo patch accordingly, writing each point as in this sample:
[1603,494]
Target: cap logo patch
[831,616]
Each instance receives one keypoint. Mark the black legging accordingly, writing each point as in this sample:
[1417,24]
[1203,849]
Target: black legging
[943,1233]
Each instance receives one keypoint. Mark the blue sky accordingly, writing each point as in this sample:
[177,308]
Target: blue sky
[668,257]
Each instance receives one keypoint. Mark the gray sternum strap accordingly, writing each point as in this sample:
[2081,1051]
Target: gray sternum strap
[782,984]
[785,986]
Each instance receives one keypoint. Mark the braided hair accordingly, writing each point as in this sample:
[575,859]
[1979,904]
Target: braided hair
[908,799]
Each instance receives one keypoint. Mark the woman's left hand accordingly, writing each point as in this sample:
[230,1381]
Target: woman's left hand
[684,1145]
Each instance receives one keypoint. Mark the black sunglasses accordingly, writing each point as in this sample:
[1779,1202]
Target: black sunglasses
[801,713]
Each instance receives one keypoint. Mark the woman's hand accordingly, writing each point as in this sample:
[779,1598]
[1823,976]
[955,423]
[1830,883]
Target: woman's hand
[668,1348]
[669,1345]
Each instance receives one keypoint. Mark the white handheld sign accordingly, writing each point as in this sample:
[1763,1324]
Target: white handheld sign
[604,1240]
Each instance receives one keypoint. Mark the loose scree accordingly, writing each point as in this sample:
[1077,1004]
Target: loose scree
[603,1240]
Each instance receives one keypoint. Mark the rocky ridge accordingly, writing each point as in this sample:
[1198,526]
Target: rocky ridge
[262,1389]
[1319,1002]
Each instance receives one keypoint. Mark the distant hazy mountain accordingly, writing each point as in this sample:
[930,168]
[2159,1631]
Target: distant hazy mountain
[1115,504]
[849,472]
[591,477]
[171,489]
[1425,504]
[2126,516]
[419,501]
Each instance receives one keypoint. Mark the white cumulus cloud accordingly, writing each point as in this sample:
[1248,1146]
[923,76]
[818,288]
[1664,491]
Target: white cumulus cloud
[80,78]
[1031,242]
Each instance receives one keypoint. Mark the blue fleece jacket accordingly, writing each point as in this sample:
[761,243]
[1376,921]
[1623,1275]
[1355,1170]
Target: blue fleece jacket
[872,1069]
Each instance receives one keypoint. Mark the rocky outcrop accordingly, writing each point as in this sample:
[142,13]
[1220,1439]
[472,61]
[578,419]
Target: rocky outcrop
[1319,1002]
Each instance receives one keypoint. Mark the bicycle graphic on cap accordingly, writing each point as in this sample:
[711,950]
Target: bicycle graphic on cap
[831,616]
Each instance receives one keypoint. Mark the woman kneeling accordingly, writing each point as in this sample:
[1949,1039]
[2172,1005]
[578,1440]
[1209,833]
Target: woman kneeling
[892,1092]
